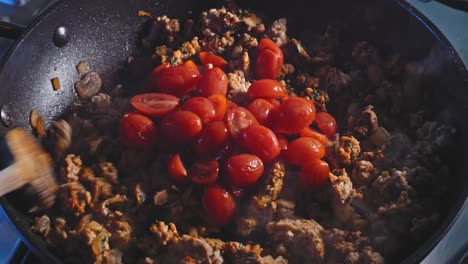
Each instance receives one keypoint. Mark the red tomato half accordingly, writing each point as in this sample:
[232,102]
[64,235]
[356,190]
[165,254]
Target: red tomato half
[310,132]
[262,110]
[314,174]
[220,104]
[180,127]
[266,88]
[214,81]
[238,118]
[266,43]
[269,60]
[202,107]
[175,80]
[204,172]
[244,169]
[177,170]
[293,115]
[154,104]
[217,61]
[261,141]
[138,131]
[301,150]
[326,123]
[268,65]
[219,205]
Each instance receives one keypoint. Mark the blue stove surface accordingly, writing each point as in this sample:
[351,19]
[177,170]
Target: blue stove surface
[453,248]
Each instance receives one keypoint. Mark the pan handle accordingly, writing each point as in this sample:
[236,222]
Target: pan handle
[10,30]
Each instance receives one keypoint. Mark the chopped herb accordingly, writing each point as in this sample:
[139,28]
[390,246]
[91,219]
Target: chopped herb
[184,50]
[172,60]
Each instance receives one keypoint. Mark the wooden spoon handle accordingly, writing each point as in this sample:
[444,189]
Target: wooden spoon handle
[10,179]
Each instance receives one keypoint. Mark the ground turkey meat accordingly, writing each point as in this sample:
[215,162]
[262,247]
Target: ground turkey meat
[190,249]
[72,168]
[349,247]
[343,151]
[362,173]
[300,241]
[364,123]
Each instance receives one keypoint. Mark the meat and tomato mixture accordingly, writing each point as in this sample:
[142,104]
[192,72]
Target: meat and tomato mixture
[246,145]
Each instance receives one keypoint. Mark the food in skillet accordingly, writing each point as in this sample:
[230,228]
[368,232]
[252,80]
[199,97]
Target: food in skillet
[246,145]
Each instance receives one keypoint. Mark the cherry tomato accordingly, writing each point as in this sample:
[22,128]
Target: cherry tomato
[138,131]
[310,132]
[154,104]
[266,43]
[326,123]
[214,81]
[202,107]
[220,105]
[175,80]
[244,169]
[268,65]
[212,139]
[238,119]
[293,115]
[314,174]
[177,170]
[204,172]
[219,205]
[262,110]
[231,104]
[261,141]
[162,66]
[266,88]
[191,64]
[180,127]
[303,149]
[217,61]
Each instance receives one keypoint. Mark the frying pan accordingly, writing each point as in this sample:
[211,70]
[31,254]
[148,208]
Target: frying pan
[105,33]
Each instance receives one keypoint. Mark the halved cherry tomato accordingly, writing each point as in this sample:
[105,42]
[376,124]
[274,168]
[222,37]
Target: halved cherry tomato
[217,61]
[138,131]
[204,172]
[191,64]
[244,169]
[219,205]
[266,88]
[220,105]
[154,104]
[269,60]
[238,119]
[326,123]
[262,110]
[293,115]
[303,149]
[175,80]
[202,107]
[310,132]
[261,141]
[314,174]
[214,81]
[266,43]
[212,139]
[177,170]
[180,127]
[268,65]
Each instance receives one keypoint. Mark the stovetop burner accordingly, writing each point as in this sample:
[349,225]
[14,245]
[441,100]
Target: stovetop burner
[453,248]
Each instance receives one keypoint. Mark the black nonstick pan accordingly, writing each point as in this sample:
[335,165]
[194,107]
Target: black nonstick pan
[105,33]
